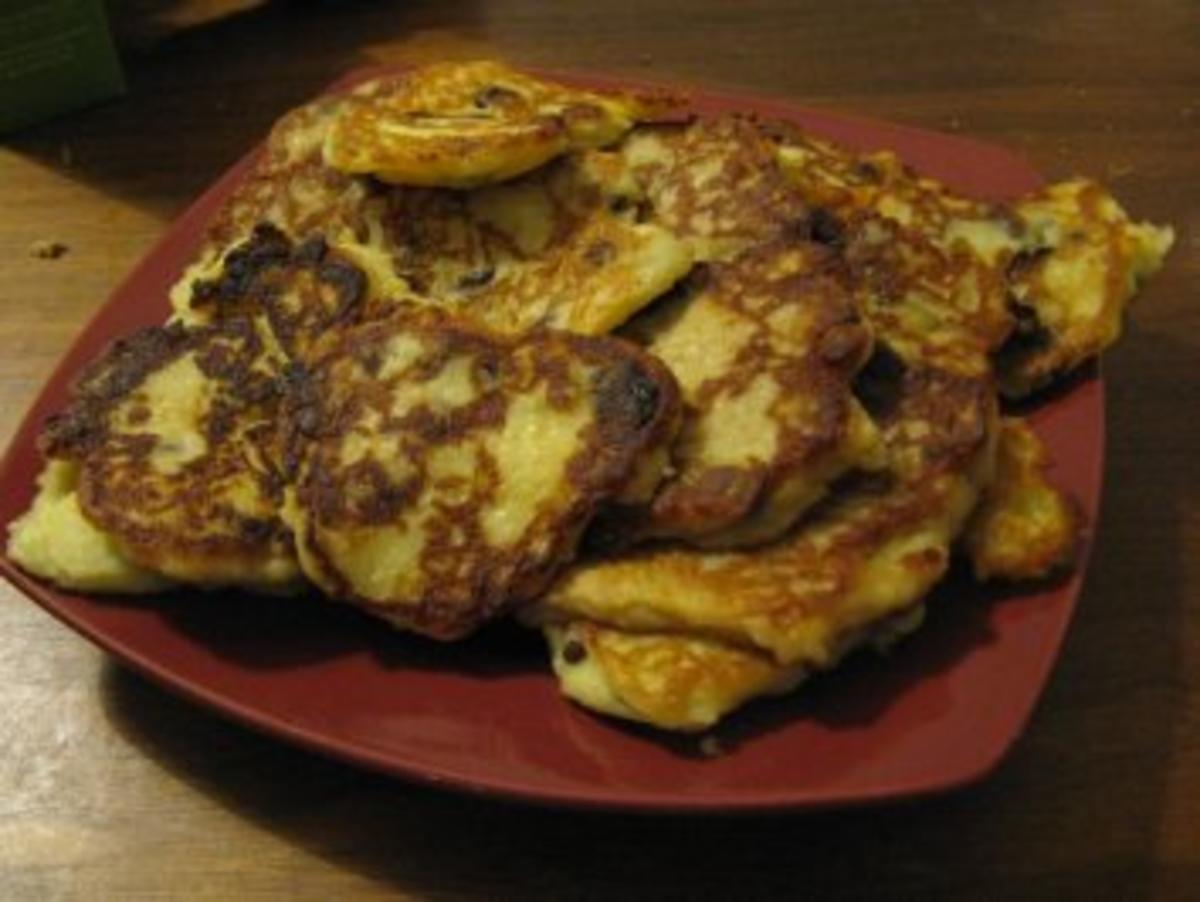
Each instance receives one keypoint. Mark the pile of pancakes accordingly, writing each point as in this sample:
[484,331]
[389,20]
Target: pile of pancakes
[709,401]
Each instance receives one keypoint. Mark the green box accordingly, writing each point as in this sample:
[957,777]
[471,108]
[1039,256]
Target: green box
[55,56]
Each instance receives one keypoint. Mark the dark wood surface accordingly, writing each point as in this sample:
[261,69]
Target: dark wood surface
[110,788]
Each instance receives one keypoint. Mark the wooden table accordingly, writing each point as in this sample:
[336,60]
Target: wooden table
[110,788]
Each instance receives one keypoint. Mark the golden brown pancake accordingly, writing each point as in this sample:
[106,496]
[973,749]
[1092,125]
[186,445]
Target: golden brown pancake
[174,435]
[1082,263]
[555,248]
[552,249]
[715,183]
[462,125]
[676,681]
[444,472]
[1024,527]
[870,551]
[1041,282]
[673,681]
[765,349]
[53,540]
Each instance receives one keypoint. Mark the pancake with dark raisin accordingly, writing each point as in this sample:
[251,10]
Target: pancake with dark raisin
[173,432]
[765,349]
[462,125]
[556,249]
[1082,262]
[1041,282]
[863,558]
[869,551]
[444,472]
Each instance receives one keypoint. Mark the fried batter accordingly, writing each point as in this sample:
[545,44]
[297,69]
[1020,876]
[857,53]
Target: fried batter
[553,249]
[715,183]
[297,294]
[291,188]
[1024,527]
[53,540]
[462,125]
[173,433]
[1041,283]
[676,681]
[673,681]
[1083,262]
[765,349]
[444,472]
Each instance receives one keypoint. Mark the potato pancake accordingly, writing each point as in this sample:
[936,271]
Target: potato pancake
[715,183]
[462,125]
[444,473]
[174,435]
[1024,527]
[1083,262]
[765,349]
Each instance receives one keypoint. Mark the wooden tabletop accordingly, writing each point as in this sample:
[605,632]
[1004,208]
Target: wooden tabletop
[110,788]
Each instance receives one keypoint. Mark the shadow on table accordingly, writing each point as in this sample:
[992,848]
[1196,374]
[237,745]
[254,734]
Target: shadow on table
[198,99]
[1088,780]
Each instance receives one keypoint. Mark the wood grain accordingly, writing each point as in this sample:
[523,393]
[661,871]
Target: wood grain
[111,789]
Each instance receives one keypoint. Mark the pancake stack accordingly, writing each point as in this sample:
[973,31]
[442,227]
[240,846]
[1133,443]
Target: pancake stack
[711,402]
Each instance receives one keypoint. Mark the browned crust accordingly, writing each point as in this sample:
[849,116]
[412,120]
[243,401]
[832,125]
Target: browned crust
[183,514]
[634,403]
[303,289]
[747,201]
[702,498]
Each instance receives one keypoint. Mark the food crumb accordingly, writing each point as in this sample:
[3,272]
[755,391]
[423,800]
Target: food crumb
[47,250]
[711,746]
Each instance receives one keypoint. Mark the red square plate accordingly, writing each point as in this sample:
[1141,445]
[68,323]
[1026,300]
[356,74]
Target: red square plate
[485,715]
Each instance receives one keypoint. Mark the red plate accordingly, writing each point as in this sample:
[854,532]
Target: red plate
[486,716]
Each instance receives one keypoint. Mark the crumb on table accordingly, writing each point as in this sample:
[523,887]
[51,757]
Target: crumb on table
[47,250]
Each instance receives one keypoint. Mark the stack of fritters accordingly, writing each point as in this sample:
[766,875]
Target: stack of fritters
[711,402]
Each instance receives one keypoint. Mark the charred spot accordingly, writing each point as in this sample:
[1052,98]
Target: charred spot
[476,278]
[644,211]
[139,415]
[348,281]
[267,247]
[221,420]
[312,251]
